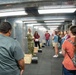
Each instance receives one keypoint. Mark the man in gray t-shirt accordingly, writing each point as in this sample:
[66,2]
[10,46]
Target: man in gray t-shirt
[11,55]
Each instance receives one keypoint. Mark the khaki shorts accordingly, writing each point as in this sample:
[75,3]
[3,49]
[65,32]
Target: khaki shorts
[55,44]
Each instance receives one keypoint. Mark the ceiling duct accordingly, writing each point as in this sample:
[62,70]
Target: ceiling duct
[40,21]
[32,11]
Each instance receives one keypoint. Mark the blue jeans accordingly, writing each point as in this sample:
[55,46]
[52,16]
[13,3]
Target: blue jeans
[47,42]
[68,72]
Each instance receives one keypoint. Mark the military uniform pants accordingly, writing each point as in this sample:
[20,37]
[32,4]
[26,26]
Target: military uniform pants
[31,48]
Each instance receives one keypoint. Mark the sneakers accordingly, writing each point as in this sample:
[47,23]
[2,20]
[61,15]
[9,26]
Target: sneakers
[55,56]
[40,49]
[60,52]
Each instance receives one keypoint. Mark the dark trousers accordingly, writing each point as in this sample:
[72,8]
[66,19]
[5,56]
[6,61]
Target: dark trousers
[37,43]
[68,72]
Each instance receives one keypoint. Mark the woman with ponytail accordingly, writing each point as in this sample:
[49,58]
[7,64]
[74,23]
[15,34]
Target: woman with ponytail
[68,50]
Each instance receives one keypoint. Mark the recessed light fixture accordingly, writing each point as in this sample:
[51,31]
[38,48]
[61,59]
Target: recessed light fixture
[53,11]
[15,13]
[55,21]
[12,12]
[30,21]
[56,7]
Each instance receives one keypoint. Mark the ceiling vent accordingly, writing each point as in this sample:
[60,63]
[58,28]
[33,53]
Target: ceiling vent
[32,11]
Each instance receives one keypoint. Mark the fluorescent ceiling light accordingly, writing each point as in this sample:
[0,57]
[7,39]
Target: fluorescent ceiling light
[53,26]
[55,21]
[55,18]
[39,27]
[51,11]
[56,6]
[14,13]
[12,10]
[42,29]
[29,24]
[18,21]
[44,24]
[30,21]
[36,27]
[33,24]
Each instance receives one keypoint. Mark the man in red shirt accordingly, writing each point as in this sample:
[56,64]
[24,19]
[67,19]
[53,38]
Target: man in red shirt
[47,37]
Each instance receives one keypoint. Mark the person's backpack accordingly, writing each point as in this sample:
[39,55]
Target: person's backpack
[74,57]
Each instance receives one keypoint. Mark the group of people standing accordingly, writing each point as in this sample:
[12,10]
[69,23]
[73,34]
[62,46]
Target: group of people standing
[68,49]
[12,56]
[58,39]
[33,40]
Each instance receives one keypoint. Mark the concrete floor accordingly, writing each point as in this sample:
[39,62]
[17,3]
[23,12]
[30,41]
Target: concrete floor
[47,65]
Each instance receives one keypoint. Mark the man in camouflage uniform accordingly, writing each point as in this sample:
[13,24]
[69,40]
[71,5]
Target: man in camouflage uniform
[30,39]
